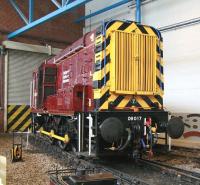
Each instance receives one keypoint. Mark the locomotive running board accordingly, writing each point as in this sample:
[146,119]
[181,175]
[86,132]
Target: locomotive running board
[65,139]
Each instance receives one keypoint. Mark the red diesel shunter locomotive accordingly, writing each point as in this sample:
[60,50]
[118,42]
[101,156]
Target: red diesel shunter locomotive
[104,93]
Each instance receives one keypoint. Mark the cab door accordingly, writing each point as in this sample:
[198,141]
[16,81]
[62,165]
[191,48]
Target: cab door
[46,83]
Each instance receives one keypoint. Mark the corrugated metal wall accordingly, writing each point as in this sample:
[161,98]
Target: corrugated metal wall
[1,90]
[20,67]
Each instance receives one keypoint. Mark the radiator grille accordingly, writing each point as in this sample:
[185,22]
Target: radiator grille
[133,62]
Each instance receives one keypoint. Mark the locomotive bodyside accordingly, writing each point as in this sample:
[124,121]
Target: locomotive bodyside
[74,68]
[104,94]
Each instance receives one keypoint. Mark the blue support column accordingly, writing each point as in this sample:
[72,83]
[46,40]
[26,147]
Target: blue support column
[22,16]
[103,10]
[138,11]
[56,3]
[31,11]
[48,17]
[64,2]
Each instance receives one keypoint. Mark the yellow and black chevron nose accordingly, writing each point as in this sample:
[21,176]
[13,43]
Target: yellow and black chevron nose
[102,77]
[19,117]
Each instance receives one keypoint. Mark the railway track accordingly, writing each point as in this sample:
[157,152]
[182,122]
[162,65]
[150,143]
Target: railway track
[126,172]
[189,177]
[180,152]
[71,160]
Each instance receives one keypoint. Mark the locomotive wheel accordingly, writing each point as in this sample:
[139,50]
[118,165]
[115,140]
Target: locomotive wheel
[66,127]
[73,148]
[67,147]
[63,146]
[37,126]
[52,140]
[37,122]
[62,131]
[48,126]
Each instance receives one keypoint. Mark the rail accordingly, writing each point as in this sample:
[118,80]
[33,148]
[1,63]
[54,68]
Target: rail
[70,159]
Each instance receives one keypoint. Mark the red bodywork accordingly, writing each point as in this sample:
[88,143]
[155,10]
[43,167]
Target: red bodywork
[72,83]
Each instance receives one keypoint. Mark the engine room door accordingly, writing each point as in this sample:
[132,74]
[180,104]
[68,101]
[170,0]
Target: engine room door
[82,93]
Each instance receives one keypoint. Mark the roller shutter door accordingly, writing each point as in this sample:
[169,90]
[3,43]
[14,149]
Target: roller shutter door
[20,67]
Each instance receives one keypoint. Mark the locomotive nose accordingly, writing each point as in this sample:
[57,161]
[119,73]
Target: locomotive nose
[112,129]
[175,128]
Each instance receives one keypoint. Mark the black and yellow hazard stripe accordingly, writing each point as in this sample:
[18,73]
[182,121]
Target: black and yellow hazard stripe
[135,101]
[101,77]
[19,117]
[159,66]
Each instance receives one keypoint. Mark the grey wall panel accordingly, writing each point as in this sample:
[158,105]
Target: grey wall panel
[157,13]
[20,67]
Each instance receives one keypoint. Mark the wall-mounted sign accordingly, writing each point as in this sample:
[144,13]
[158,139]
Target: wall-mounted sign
[66,76]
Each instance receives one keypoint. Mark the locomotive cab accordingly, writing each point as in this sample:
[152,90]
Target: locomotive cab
[43,85]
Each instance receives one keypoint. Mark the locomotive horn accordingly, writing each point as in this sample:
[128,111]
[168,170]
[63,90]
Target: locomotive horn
[175,128]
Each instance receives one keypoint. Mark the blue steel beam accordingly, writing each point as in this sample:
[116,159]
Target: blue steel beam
[22,16]
[103,10]
[48,17]
[56,3]
[64,2]
[31,11]
[138,11]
